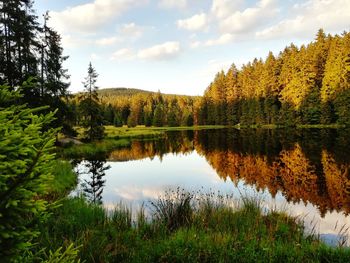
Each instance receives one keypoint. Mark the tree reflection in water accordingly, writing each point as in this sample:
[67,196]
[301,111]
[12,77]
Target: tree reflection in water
[307,165]
[93,187]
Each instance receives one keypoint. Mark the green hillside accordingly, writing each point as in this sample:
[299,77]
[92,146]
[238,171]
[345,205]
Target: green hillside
[122,92]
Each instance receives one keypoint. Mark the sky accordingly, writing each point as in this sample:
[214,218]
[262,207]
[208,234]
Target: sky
[177,46]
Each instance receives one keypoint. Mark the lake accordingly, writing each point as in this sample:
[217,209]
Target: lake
[302,171]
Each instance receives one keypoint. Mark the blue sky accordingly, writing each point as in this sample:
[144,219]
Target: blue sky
[177,46]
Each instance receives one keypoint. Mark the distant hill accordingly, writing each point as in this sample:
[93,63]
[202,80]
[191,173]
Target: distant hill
[132,107]
[129,92]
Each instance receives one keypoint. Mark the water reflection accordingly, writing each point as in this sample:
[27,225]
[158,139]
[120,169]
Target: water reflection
[93,182]
[304,165]
[304,171]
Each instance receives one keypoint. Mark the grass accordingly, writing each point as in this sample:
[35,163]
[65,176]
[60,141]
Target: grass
[64,180]
[140,132]
[118,137]
[150,132]
[131,133]
[185,227]
[321,126]
[92,150]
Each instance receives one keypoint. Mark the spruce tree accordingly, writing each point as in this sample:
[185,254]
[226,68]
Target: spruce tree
[90,108]
[25,165]
[19,28]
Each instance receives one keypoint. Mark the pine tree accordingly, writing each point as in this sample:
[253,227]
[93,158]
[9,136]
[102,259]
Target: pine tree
[90,108]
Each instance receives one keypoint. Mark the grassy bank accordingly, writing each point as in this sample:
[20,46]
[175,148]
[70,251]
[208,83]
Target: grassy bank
[91,150]
[151,132]
[183,227]
[63,181]
[118,137]
[321,126]
[299,126]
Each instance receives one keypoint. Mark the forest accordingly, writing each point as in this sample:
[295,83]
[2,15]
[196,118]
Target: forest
[41,222]
[307,85]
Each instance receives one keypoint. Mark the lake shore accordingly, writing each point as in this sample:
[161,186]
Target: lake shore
[119,137]
[185,227]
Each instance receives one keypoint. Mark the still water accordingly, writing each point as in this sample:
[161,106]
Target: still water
[303,172]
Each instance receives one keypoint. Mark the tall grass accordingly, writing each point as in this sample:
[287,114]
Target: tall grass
[64,180]
[185,227]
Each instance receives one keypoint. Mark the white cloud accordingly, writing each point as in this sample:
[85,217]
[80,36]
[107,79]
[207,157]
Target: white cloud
[131,30]
[224,8]
[196,44]
[173,4]
[91,16]
[108,41]
[331,15]
[250,18]
[163,51]
[94,56]
[69,41]
[126,31]
[222,40]
[196,22]
[159,52]
[123,54]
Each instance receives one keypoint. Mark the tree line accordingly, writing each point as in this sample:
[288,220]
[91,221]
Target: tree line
[31,56]
[306,85]
[133,107]
[31,59]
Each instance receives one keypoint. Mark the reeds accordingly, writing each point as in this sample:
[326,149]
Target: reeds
[182,226]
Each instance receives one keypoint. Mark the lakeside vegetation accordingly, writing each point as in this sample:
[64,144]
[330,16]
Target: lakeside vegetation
[63,182]
[185,227]
[118,137]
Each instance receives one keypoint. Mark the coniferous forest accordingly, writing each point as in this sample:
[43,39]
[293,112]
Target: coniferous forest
[306,85]
[41,221]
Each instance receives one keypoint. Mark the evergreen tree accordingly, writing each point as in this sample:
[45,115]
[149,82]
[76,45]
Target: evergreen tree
[232,91]
[28,50]
[90,108]
[136,116]
[174,114]
[25,165]
[158,118]
[19,28]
